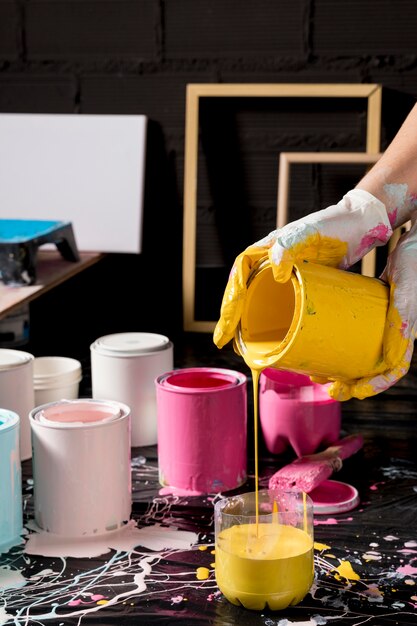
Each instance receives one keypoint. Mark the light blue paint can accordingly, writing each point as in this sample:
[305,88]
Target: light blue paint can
[11,523]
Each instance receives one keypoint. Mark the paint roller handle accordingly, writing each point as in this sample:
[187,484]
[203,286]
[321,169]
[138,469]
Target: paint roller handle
[344,448]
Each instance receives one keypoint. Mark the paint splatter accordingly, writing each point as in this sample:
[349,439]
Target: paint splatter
[202,573]
[155,537]
[345,570]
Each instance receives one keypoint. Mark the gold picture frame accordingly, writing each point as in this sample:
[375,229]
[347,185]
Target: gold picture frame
[194,93]
[286,159]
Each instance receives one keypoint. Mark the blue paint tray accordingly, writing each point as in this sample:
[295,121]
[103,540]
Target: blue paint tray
[19,243]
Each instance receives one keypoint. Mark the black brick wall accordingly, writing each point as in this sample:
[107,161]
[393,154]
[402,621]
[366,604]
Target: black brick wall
[137,56]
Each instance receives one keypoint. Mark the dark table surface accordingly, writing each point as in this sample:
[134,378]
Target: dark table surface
[165,586]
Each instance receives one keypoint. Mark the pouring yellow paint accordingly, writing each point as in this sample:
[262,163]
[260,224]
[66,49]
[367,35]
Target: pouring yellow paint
[268,561]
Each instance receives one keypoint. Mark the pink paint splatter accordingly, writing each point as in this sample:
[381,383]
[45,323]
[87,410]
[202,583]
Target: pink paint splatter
[331,521]
[408,551]
[407,570]
[381,233]
[374,487]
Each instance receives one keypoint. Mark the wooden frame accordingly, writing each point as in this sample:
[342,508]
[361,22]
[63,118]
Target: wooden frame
[286,159]
[371,92]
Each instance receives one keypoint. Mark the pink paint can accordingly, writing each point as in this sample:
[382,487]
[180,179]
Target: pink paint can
[296,412]
[81,466]
[202,430]
[123,368]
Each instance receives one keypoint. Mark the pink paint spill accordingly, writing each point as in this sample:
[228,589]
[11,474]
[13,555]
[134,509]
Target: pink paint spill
[331,521]
[176,491]
[374,487]
[381,233]
[408,570]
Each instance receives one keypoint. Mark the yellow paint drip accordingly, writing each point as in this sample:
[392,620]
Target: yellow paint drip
[321,546]
[102,602]
[345,570]
[202,573]
[202,548]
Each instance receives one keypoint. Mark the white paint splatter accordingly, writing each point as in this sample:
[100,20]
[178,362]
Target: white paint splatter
[317,620]
[154,538]
[410,544]
[372,556]
[4,617]
[11,578]
[391,538]
[397,192]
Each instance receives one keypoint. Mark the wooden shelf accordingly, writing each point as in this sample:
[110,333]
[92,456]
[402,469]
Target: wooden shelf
[51,270]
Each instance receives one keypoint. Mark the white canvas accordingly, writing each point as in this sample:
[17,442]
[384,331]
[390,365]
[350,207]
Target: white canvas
[86,169]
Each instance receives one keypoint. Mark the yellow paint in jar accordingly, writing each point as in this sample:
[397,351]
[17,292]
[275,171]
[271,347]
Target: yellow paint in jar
[264,565]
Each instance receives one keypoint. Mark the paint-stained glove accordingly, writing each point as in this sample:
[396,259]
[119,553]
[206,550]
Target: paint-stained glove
[401,325]
[337,236]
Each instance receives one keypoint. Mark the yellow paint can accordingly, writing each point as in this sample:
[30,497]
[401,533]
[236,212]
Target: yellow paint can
[323,322]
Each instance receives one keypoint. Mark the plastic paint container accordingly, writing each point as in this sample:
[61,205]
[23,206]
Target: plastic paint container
[123,368]
[202,429]
[10,481]
[55,378]
[296,412]
[16,391]
[81,466]
[333,496]
[323,322]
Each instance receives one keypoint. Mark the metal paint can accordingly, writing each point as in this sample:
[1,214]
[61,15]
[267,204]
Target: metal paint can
[17,392]
[81,466]
[124,367]
[323,322]
[10,481]
[202,429]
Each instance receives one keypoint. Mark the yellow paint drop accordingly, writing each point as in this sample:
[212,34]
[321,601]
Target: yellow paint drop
[321,546]
[202,573]
[103,602]
[213,552]
[345,570]
[202,548]
[212,565]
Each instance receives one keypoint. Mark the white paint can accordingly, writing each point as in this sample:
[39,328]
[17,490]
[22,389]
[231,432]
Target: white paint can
[124,367]
[17,392]
[81,466]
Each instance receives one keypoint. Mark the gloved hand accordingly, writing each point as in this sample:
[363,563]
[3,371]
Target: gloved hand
[337,236]
[401,324]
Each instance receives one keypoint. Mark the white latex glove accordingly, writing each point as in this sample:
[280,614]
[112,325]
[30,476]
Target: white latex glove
[401,324]
[337,236]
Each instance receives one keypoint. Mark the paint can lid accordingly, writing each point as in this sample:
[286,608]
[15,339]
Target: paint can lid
[130,344]
[82,413]
[13,358]
[8,420]
[333,496]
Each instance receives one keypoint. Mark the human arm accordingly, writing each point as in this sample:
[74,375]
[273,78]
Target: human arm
[339,236]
